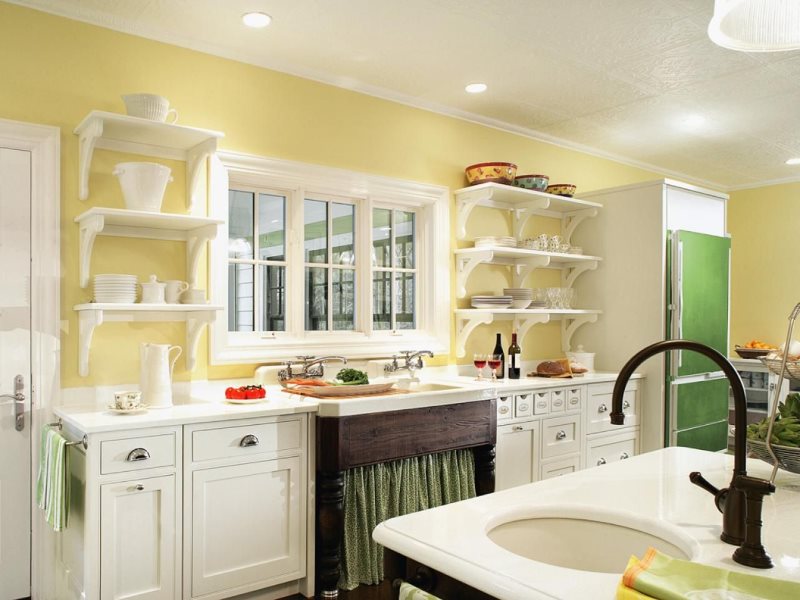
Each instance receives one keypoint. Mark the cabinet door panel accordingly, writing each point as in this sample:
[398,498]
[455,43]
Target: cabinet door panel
[515,458]
[246,525]
[138,557]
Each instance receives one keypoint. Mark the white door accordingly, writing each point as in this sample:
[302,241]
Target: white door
[516,448]
[15,372]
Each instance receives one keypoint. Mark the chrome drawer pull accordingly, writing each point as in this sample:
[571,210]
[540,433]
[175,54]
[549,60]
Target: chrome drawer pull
[138,454]
[248,441]
[624,455]
[561,434]
[626,404]
[602,408]
[517,428]
[602,461]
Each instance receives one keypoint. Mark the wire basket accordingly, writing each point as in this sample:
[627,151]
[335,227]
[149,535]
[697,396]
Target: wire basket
[774,365]
[788,457]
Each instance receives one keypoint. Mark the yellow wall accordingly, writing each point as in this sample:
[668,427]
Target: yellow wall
[54,71]
[765,279]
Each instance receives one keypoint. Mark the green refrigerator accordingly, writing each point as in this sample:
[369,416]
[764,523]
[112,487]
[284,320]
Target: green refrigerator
[698,284]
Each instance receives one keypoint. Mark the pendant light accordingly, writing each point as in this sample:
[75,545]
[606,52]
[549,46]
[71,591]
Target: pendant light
[756,25]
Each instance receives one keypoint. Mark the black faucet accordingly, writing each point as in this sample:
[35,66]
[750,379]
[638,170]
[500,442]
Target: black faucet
[740,503]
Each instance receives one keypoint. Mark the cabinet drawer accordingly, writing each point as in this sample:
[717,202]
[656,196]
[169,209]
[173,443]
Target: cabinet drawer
[558,401]
[516,454]
[560,466]
[574,398]
[133,454]
[561,435]
[599,407]
[523,405]
[249,440]
[611,449]
[541,403]
[505,408]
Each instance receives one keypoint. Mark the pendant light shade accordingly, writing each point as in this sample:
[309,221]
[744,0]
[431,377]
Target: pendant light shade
[756,25]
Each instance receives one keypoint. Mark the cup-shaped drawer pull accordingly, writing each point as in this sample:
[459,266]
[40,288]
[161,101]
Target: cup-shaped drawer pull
[625,404]
[561,434]
[503,410]
[601,461]
[624,455]
[137,454]
[139,487]
[541,395]
[557,392]
[602,408]
[517,428]
[249,440]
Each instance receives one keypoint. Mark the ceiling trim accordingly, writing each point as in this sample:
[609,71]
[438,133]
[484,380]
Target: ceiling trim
[766,183]
[101,20]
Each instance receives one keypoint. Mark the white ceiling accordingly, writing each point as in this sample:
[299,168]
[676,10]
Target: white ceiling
[619,77]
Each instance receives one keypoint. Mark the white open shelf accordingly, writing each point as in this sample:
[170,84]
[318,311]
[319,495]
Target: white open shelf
[195,231]
[523,203]
[91,316]
[523,262]
[122,133]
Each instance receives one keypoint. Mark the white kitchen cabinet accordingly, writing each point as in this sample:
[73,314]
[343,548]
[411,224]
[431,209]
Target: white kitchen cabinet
[559,466]
[605,448]
[522,204]
[516,454]
[139,550]
[599,406]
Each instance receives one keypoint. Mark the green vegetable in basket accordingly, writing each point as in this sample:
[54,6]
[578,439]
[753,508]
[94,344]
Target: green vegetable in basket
[351,377]
[791,406]
[785,431]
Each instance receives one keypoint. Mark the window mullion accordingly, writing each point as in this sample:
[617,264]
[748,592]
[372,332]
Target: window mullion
[257,307]
[365,291]
[329,262]
[295,266]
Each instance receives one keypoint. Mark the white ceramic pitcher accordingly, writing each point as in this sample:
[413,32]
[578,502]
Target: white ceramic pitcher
[155,375]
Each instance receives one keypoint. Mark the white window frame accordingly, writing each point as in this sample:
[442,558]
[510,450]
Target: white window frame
[300,180]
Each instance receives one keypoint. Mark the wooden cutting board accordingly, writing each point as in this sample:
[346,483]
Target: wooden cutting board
[310,394]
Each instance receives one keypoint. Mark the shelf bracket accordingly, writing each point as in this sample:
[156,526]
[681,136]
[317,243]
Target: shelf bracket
[195,160]
[465,265]
[466,325]
[526,266]
[574,270]
[89,230]
[195,322]
[523,324]
[86,143]
[569,325]
[521,218]
[195,243]
[464,207]
[570,222]
[88,320]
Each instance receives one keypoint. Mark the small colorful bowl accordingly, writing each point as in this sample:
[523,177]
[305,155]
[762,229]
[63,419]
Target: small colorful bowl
[497,172]
[562,189]
[532,182]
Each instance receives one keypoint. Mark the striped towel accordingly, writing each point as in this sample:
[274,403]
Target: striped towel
[52,482]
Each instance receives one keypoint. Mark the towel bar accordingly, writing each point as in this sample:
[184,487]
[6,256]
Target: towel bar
[83,442]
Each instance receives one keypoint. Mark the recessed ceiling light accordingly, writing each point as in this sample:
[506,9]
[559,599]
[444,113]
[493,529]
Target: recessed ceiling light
[475,88]
[256,20]
[793,161]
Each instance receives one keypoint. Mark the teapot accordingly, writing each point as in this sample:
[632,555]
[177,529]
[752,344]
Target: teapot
[155,375]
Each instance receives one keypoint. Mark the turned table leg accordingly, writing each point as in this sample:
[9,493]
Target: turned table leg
[484,469]
[330,531]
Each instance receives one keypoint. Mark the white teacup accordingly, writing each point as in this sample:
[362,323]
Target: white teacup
[127,400]
[193,296]
[174,289]
[149,106]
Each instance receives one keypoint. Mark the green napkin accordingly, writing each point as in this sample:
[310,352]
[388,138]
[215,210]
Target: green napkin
[410,592]
[52,482]
[667,578]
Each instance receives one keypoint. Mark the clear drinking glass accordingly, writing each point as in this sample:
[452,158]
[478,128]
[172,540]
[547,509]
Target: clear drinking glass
[479,360]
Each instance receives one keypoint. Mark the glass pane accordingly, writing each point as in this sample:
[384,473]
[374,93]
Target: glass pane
[404,239]
[343,225]
[271,227]
[315,214]
[240,224]
[404,301]
[316,299]
[273,298]
[382,300]
[381,237]
[240,297]
[344,299]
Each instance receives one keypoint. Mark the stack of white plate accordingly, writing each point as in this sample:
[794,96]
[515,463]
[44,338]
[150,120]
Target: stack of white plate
[491,301]
[490,240]
[115,289]
[520,297]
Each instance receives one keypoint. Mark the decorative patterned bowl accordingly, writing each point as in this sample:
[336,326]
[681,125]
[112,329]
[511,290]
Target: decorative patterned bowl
[497,172]
[532,182]
[562,189]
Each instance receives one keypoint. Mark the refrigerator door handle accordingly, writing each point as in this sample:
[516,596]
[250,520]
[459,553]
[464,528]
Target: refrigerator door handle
[679,294]
[710,376]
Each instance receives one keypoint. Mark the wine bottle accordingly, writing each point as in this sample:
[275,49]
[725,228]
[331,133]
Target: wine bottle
[498,350]
[514,358]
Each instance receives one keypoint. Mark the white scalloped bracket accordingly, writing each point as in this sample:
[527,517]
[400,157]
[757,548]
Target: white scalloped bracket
[575,270]
[195,243]
[522,325]
[465,265]
[570,324]
[89,230]
[464,206]
[466,325]
[195,161]
[526,266]
[195,322]
[86,143]
[88,320]
[571,220]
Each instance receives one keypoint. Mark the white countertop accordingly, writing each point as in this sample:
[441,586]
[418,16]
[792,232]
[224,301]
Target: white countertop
[452,539]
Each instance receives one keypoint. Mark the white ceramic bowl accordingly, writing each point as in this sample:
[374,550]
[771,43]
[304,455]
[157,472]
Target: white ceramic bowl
[143,184]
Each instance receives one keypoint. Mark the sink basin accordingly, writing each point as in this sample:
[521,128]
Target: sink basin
[426,387]
[586,539]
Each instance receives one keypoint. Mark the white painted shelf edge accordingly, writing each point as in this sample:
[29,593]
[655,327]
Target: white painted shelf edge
[122,133]
[195,231]
[90,316]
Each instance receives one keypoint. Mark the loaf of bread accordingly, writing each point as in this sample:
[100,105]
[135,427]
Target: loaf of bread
[577,368]
[550,367]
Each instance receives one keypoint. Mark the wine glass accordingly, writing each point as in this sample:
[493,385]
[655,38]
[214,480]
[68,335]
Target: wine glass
[479,360]
[494,360]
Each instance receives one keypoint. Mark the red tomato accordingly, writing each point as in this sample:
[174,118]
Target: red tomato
[251,393]
[237,394]
[229,392]
[262,393]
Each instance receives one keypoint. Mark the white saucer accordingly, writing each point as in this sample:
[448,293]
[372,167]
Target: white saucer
[127,411]
[237,401]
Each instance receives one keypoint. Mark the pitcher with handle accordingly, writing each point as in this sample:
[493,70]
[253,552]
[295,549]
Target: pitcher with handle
[156,374]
